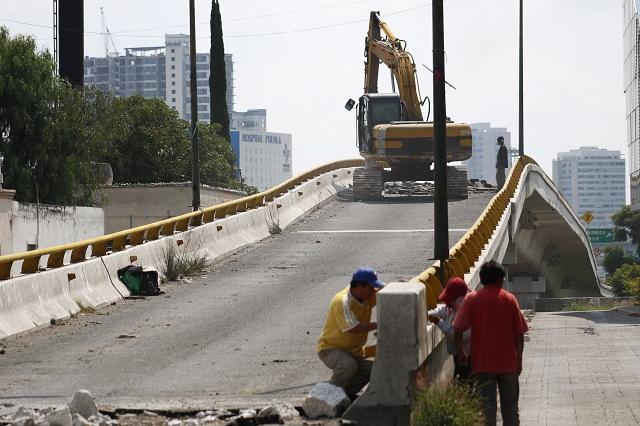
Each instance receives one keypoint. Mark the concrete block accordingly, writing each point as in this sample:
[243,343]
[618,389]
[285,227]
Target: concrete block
[83,403]
[60,416]
[401,350]
[325,400]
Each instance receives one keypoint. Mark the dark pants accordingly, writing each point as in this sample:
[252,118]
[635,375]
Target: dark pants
[509,388]
[462,372]
[351,373]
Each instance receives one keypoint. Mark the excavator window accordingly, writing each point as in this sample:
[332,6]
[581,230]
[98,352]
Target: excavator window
[385,112]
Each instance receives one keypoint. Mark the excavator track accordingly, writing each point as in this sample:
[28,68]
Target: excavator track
[457,183]
[368,183]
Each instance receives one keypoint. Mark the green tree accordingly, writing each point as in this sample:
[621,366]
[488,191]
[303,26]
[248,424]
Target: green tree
[218,74]
[627,225]
[42,127]
[614,258]
[623,280]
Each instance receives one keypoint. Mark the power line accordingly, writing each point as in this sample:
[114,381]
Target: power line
[300,30]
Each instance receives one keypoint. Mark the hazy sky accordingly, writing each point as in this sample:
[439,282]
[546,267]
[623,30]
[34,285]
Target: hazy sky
[302,59]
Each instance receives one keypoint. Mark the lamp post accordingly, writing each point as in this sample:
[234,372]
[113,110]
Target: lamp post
[440,208]
[521,106]
[195,157]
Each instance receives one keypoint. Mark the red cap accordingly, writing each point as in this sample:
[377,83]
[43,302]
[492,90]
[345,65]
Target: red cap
[455,288]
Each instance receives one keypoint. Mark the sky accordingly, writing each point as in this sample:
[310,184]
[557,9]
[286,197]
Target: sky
[302,59]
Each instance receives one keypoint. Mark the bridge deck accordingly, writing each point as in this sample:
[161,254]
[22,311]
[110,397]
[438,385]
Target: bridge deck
[241,334]
[581,368]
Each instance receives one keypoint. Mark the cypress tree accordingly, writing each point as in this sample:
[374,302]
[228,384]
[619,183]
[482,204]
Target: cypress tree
[218,77]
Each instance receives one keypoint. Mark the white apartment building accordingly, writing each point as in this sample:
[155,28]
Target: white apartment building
[482,164]
[161,72]
[631,38]
[592,180]
[263,158]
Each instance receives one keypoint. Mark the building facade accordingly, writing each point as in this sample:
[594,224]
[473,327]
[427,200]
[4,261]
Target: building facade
[482,164]
[631,51]
[592,180]
[263,158]
[161,72]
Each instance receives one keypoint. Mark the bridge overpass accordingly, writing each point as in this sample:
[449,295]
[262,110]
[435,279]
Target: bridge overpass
[246,329]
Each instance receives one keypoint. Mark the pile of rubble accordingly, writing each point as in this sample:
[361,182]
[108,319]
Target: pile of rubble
[83,411]
[408,188]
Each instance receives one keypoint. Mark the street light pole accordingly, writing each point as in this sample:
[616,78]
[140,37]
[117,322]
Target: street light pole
[441,214]
[195,157]
[521,106]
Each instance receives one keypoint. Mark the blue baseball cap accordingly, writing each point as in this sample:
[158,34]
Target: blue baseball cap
[367,275]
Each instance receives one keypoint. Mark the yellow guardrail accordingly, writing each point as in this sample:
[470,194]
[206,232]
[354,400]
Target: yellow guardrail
[136,236]
[467,250]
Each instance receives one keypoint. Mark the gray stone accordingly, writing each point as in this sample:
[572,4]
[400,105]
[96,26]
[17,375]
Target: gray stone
[325,400]
[191,422]
[78,420]
[175,422]
[60,416]
[100,420]
[276,413]
[83,404]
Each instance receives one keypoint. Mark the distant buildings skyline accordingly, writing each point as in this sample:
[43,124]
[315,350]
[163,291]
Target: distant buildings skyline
[592,180]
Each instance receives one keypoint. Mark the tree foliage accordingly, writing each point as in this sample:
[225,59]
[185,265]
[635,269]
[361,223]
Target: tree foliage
[624,279]
[43,124]
[51,135]
[614,258]
[218,74]
[627,223]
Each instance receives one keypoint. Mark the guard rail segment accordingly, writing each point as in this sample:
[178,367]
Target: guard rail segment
[464,254]
[139,235]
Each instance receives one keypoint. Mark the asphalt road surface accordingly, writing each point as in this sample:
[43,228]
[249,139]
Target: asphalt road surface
[239,335]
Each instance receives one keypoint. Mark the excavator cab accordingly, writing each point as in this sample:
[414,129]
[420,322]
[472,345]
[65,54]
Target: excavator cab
[374,109]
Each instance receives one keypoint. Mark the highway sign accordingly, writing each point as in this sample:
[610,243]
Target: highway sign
[601,235]
[587,217]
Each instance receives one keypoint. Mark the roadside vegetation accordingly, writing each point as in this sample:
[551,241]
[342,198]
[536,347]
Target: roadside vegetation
[456,405]
[52,135]
[181,261]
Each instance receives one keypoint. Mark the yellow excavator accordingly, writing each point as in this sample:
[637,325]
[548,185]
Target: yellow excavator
[396,143]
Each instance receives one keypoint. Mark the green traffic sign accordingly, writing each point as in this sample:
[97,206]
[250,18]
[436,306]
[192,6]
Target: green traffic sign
[600,236]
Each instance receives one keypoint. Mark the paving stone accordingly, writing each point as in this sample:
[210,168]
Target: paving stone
[581,368]
[325,400]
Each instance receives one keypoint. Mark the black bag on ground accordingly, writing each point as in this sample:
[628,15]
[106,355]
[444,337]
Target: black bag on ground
[139,280]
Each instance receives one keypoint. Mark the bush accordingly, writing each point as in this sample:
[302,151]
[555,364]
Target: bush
[177,263]
[614,258]
[457,405]
[622,281]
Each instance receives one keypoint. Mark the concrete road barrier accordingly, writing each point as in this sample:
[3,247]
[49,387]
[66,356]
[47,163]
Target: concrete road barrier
[33,300]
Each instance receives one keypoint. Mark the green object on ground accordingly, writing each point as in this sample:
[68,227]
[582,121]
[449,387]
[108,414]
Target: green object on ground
[132,281]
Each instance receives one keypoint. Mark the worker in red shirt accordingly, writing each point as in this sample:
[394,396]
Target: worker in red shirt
[498,329]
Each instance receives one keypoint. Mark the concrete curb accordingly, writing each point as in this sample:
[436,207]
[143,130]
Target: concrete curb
[630,311]
[33,300]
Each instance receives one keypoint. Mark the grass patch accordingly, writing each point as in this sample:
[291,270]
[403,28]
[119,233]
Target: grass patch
[177,263]
[456,405]
[85,309]
[583,307]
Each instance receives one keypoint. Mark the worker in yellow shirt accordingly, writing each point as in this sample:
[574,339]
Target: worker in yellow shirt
[340,346]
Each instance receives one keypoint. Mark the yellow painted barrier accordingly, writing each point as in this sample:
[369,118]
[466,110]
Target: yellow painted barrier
[167,227]
[468,249]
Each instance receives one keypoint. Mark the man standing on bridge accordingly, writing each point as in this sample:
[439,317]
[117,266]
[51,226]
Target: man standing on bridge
[502,163]
[341,344]
[498,329]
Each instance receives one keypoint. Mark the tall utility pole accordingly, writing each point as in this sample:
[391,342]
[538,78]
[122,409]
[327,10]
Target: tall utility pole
[71,40]
[521,106]
[441,214]
[195,155]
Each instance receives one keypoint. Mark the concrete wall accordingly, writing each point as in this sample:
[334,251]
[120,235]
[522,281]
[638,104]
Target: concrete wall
[24,223]
[127,206]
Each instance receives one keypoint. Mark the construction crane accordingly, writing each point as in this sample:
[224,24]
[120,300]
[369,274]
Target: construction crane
[396,143]
[106,37]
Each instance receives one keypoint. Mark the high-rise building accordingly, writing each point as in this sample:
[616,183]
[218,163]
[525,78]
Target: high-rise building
[631,91]
[482,164]
[592,180]
[263,158]
[161,72]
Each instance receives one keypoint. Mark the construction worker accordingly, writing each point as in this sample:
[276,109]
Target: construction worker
[340,346]
[502,163]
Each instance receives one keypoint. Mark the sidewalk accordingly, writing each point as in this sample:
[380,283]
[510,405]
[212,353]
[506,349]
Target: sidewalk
[581,368]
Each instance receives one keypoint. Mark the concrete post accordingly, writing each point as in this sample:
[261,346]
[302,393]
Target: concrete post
[401,350]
